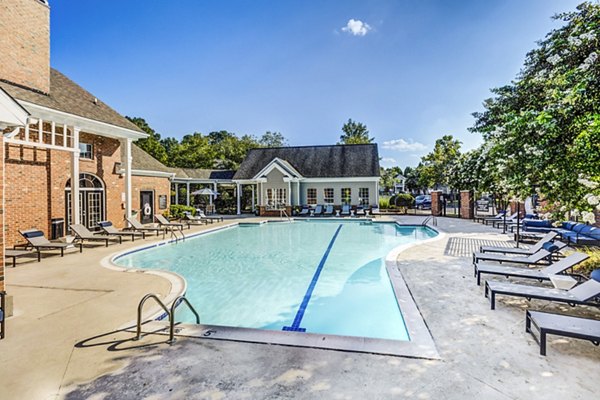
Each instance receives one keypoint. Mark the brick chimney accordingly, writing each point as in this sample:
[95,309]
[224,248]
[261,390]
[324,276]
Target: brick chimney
[25,43]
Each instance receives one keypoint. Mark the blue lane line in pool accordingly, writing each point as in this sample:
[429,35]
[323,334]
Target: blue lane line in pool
[295,327]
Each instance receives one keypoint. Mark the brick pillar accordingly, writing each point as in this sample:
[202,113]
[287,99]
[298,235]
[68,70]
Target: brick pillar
[513,208]
[436,204]
[597,213]
[467,205]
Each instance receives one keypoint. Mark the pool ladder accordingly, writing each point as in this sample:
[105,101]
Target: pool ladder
[282,212]
[431,218]
[169,312]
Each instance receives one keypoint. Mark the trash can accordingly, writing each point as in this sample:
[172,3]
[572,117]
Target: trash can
[58,228]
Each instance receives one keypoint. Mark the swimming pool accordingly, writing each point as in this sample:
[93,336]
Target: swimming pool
[326,277]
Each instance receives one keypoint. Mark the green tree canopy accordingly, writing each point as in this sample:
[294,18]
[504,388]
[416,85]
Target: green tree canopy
[151,144]
[355,133]
[436,166]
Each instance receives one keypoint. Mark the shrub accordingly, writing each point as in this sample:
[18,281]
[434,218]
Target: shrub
[592,263]
[404,200]
[177,210]
[384,202]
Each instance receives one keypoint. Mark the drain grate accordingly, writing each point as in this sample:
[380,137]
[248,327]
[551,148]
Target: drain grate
[464,247]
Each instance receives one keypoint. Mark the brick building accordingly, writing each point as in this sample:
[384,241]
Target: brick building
[62,148]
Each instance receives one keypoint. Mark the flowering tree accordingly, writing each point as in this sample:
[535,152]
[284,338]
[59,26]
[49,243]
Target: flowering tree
[542,132]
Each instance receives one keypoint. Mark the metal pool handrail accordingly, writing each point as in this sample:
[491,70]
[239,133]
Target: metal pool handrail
[180,299]
[140,309]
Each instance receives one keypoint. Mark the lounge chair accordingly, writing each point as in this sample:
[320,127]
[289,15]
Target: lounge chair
[561,325]
[493,220]
[375,212]
[194,219]
[163,222]
[318,210]
[305,211]
[583,294]
[532,273]
[483,218]
[137,226]
[211,219]
[82,233]
[108,228]
[360,211]
[518,251]
[36,240]
[345,210]
[532,259]
[328,210]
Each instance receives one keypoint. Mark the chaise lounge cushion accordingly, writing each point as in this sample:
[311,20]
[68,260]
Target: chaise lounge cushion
[32,234]
[550,247]
[595,275]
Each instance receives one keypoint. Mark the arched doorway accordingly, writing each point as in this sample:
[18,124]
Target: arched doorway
[92,201]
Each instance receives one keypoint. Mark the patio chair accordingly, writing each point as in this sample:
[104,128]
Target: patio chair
[163,222]
[518,251]
[318,210]
[211,219]
[82,233]
[305,211]
[543,254]
[345,210]
[375,212]
[561,325]
[483,218]
[108,228]
[36,240]
[328,210]
[194,219]
[488,221]
[137,226]
[530,273]
[360,211]
[583,294]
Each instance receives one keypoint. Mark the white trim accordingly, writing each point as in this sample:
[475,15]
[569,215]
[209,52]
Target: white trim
[11,112]
[350,179]
[159,174]
[40,145]
[281,165]
[85,124]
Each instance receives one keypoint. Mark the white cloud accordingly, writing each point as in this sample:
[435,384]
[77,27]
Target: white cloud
[403,145]
[388,161]
[356,27]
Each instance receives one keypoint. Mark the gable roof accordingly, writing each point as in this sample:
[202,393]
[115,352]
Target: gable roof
[142,161]
[68,97]
[334,161]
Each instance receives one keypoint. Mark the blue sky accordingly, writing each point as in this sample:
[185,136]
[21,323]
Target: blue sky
[412,71]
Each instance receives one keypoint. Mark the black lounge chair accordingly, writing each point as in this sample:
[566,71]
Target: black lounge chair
[163,222]
[193,219]
[108,228]
[36,240]
[345,210]
[583,294]
[518,251]
[328,210]
[561,325]
[210,219]
[535,258]
[82,234]
[497,218]
[532,273]
[137,226]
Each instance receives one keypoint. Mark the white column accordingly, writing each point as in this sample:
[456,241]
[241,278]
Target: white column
[252,186]
[75,178]
[298,194]
[187,194]
[260,195]
[128,187]
[289,196]
[210,199]
[239,198]
[377,193]
[176,193]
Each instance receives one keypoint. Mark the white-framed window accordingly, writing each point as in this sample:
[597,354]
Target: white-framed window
[311,196]
[363,196]
[346,195]
[86,150]
[328,195]
[280,197]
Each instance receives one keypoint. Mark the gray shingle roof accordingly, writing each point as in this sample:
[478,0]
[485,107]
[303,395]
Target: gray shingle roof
[145,162]
[67,96]
[336,161]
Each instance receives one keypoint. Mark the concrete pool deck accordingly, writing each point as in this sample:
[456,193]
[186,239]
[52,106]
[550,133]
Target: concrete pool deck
[63,341]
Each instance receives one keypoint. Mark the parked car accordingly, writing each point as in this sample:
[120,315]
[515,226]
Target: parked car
[423,202]
[483,204]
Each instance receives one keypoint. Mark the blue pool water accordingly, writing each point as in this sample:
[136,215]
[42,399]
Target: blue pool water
[314,276]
